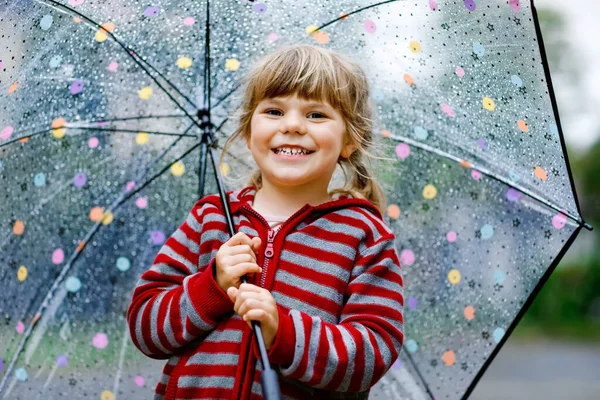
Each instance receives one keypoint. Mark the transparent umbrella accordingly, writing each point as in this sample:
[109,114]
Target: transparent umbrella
[103,107]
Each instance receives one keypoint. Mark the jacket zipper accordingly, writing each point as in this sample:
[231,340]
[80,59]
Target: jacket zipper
[269,250]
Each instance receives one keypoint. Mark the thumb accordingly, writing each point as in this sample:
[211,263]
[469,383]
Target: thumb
[256,243]
[231,292]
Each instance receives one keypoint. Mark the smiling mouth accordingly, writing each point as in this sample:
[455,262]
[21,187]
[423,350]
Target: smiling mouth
[283,153]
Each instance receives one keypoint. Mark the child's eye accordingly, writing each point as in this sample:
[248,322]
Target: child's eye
[269,111]
[319,114]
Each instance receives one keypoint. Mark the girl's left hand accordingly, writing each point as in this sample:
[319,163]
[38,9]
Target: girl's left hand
[255,303]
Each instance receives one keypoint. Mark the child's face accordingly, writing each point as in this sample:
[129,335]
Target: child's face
[315,126]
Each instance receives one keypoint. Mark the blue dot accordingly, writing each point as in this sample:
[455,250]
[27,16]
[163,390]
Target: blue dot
[554,129]
[46,22]
[55,61]
[420,133]
[123,264]
[516,80]
[21,374]
[73,284]
[39,180]
[487,231]
[0,164]
[499,277]
[498,334]
[411,346]
[478,49]
[514,177]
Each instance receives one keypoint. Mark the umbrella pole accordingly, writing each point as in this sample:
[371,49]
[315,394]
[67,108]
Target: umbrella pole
[269,379]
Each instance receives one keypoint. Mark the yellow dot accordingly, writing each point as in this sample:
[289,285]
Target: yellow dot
[107,218]
[142,138]
[449,358]
[454,276]
[184,62]
[224,168]
[311,29]
[415,46]
[178,168]
[393,211]
[22,273]
[59,133]
[107,395]
[489,104]
[429,192]
[145,93]
[96,214]
[469,312]
[232,64]
[101,36]
[18,227]
[540,173]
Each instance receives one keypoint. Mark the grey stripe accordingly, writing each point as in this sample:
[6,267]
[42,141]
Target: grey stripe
[154,324]
[314,264]
[164,379]
[300,344]
[339,248]
[168,329]
[369,353]
[313,348]
[213,359]
[229,335]
[310,286]
[372,301]
[138,329]
[294,304]
[167,250]
[350,345]
[332,359]
[158,396]
[165,269]
[192,381]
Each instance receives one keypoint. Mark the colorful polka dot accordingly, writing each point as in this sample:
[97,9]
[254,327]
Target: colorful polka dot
[512,195]
[478,49]
[178,168]
[407,257]
[403,151]
[142,138]
[46,22]
[232,64]
[139,381]
[429,192]
[515,5]
[189,21]
[420,133]
[141,202]
[454,276]
[499,277]
[96,214]
[559,221]
[451,237]
[123,264]
[145,93]
[72,284]
[100,341]
[157,237]
[523,126]
[20,328]
[433,5]
[413,303]
[151,11]
[93,142]
[487,231]
[498,334]
[21,374]
[6,133]
[62,360]
[107,395]
[460,72]
[540,173]
[22,273]
[415,47]
[113,66]
[470,4]
[489,104]
[393,211]
[18,227]
[447,110]
[449,358]
[469,313]
[58,256]
[370,26]
[79,180]
[411,346]
[184,62]
[259,8]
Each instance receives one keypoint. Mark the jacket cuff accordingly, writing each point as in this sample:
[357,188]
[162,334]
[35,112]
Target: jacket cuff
[207,297]
[282,351]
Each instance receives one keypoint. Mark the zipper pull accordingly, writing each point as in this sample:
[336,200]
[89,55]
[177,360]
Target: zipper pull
[270,238]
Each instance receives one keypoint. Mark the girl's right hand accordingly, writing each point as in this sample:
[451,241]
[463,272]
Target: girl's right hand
[236,258]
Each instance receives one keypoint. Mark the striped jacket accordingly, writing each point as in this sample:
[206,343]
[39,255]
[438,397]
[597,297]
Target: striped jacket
[334,273]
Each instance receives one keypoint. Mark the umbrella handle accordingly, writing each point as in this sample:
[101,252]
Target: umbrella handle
[270,381]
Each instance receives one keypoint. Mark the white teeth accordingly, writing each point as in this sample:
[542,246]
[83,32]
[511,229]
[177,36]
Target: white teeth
[291,152]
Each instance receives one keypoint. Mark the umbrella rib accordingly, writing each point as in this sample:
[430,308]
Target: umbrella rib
[94,129]
[129,53]
[356,11]
[492,175]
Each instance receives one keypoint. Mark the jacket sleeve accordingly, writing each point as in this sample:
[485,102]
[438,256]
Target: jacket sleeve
[178,300]
[353,355]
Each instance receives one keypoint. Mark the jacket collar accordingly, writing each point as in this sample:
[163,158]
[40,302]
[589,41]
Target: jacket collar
[238,198]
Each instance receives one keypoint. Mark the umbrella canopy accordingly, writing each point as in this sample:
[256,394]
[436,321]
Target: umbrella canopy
[100,122]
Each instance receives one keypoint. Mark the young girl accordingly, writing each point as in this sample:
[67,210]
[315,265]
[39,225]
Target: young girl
[324,274]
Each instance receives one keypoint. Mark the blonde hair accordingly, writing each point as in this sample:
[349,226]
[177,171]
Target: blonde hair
[315,73]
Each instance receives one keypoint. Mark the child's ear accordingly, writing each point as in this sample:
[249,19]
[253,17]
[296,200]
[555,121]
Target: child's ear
[348,150]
